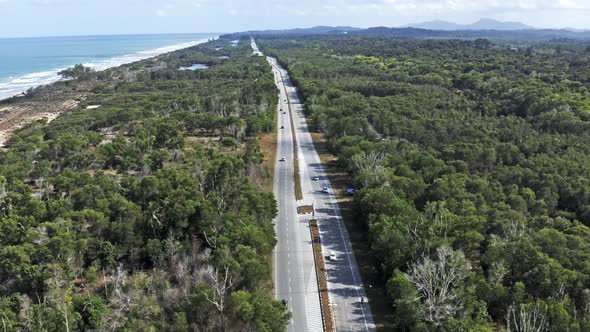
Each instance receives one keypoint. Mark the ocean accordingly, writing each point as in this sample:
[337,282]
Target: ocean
[29,62]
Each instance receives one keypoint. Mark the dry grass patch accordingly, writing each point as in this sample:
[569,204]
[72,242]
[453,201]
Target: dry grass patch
[298,190]
[268,148]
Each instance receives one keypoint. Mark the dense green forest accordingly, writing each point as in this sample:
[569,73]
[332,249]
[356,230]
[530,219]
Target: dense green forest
[144,212]
[471,161]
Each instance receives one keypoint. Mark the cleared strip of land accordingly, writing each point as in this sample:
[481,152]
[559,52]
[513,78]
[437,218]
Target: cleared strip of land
[15,116]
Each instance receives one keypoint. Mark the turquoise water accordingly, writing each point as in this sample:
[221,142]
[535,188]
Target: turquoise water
[29,62]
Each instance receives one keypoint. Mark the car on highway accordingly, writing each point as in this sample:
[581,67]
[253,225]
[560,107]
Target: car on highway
[332,256]
[315,178]
[284,112]
[282,127]
[282,159]
[325,190]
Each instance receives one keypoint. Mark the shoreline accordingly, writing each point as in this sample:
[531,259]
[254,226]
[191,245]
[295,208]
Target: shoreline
[15,113]
[20,84]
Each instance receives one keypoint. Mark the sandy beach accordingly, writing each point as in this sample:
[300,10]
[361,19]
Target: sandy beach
[20,111]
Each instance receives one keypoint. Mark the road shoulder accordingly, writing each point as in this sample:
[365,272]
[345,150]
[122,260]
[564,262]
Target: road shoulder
[375,288]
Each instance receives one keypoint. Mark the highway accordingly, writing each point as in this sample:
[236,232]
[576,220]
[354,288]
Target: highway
[344,281]
[294,270]
[255,50]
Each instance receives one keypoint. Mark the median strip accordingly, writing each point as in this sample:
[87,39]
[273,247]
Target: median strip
[318,258]
[304,209]
[297,176]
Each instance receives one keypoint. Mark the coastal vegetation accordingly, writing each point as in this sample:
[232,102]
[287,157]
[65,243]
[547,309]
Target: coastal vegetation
[471,168]
[144,211]
[78,71]
[143,207]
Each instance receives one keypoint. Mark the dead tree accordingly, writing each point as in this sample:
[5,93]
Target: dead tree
[59,296]
[368,161]
[120,300]
[498,270]
[530,318]
[438,281]
[370,169]
[199,173]
[221,284]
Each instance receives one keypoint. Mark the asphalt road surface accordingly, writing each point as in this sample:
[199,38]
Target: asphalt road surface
[255,49]
[344,281]
[294,269]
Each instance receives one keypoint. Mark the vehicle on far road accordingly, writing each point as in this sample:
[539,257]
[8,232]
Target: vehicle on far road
[284,112]
[282,159]
[282,127]
[284,302]
[316,178]
[325,190]
[332,256]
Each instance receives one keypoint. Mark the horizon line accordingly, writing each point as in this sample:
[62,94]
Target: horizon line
[113,34]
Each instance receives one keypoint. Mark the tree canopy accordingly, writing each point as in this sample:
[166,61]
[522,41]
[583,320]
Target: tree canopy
[77,71]
[139,215]
[471,163]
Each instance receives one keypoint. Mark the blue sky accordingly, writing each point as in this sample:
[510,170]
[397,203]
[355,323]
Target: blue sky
[90,17]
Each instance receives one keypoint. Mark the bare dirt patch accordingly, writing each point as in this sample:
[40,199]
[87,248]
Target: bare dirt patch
[16,115]
[305,209]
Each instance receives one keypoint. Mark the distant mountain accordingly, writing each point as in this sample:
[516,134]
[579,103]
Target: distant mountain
[576,30]
[317,30]
[482,24]
[410,32]
[436,25]
[531,34]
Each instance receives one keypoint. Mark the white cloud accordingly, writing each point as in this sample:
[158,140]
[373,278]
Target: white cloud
[25,17]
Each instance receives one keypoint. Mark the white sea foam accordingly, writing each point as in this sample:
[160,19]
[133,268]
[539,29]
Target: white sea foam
[16,85]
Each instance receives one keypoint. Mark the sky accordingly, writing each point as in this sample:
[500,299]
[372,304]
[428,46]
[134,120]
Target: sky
[24,18]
